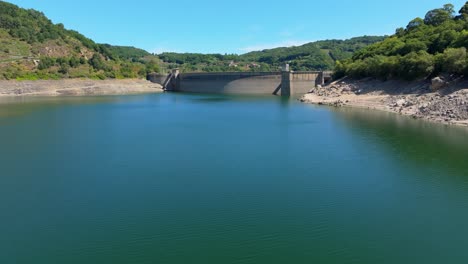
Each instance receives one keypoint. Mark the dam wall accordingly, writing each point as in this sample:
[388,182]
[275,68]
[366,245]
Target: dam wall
[285,83]
[303,82]
[238,82]
[157,78]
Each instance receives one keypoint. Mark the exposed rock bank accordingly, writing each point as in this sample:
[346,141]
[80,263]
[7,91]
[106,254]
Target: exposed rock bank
[77,87]
[439,101]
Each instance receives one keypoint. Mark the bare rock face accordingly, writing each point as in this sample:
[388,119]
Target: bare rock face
[413,99]
[401,102]
[438,83]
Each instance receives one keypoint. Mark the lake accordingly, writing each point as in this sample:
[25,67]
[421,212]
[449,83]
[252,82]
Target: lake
[190,178]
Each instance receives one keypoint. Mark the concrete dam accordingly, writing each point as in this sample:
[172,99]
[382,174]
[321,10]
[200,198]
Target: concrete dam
[283,83]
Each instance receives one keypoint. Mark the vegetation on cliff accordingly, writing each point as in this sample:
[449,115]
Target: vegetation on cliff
[32,47]
[427,47]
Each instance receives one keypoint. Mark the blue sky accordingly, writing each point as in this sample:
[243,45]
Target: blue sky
[210,26]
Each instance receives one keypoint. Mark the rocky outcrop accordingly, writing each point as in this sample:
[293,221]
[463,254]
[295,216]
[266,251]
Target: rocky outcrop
[438,83]
[449,104]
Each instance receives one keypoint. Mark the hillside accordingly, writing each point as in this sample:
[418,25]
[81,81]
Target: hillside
[32,47]
[320,55]
[313,56]
[435,45]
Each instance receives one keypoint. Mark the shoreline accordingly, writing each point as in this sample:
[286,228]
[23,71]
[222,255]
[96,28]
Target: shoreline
[447,106]
[76,87]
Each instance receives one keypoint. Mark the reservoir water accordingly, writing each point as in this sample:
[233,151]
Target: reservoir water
[184,178]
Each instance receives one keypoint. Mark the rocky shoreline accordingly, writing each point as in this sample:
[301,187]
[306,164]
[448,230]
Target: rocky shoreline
[77,87]
[437,101]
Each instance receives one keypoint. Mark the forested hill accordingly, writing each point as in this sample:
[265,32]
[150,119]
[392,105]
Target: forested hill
[429,46]
[32,47]
[320,55]
[313,56]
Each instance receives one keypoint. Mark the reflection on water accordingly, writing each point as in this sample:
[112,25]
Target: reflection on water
[21,105]
[418,140]
[192,178]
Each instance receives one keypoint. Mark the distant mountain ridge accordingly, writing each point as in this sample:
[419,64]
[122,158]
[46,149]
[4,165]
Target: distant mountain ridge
[319,55]
[315,55]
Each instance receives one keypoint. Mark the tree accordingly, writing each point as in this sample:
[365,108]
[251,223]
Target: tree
[449,8]
[152,66]
[340,69]
[438,16]
[416,65]
[64,68]
[412,45]
[127,70]
[74,62]
[45,63]
[454,61]
[464,10]
[415,23]
[96,62]
[462,40]
[444,39]
[437,44]
[400,32]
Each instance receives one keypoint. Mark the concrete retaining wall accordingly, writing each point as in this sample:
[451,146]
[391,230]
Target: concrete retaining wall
[303,82]
[243,82]
[157,78]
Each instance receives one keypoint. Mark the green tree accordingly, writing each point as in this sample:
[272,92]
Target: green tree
[437,44]
[64,68]
[74,62]
[415,23]
[399,32]
[127,71]
[152,66]
[341,69]
[416,65]
[449,8]
[438,16]
[454,60]
[46,63]
[464,10]
[444,40]
[412,45]
[97,63]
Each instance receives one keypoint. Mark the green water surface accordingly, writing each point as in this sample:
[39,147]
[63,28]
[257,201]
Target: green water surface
[180,178]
